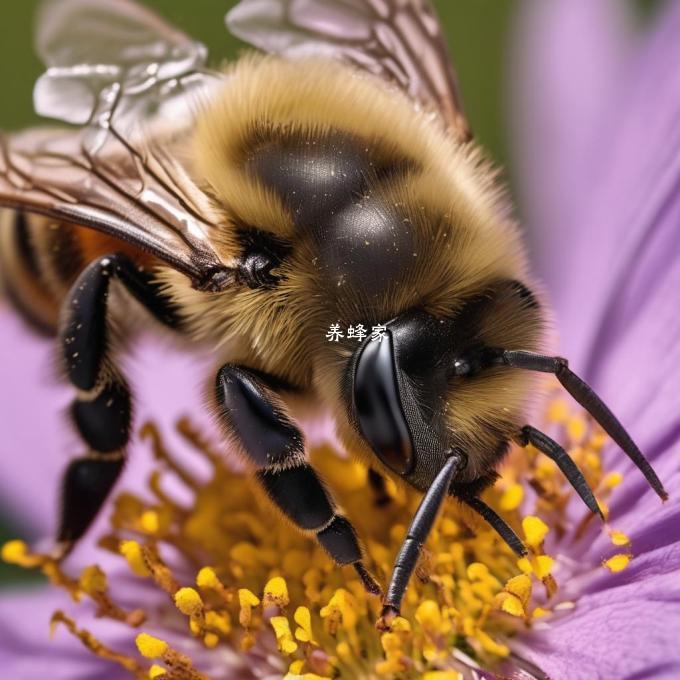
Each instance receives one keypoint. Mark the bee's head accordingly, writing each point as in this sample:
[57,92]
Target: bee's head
[431,385]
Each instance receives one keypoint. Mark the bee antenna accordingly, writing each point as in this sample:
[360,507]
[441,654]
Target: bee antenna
[417,534]
[497,523]
[591,402]
[546,445]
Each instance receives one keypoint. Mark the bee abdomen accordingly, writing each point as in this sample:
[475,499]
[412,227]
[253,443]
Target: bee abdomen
[22,273]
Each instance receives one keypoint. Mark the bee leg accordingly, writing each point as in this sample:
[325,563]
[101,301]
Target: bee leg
[549,447]
[102,410]
[254,416]
[417,534]
[591,402]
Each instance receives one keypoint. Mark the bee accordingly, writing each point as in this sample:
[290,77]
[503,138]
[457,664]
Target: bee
[332,179]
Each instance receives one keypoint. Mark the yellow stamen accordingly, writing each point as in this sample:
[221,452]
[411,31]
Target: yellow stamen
[150,647]
[535,530]
[303,618]
[619,538]
[469,583]
[276,593]
[93,644]
[512,497]
[132,552]
[617,563]
[284,637]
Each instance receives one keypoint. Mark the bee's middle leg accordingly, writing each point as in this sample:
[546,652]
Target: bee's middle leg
[102,409]
[255,417]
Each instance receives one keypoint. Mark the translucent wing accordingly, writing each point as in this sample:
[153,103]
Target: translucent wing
[129,80]
[143,197]
[398,40]
[105,53]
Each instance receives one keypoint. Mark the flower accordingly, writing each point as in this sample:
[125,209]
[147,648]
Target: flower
[179,596]
[601,165]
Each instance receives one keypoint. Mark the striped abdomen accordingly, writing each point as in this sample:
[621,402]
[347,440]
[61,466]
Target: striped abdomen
[40,260]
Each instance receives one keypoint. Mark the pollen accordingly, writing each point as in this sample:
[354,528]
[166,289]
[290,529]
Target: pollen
[16,552]
[284,637]
[132,552]
[230,576]
[617,563]
[150,647]
[303,618]
[512,497]
[207,578]
[188,601]
[276,592]
[535,530]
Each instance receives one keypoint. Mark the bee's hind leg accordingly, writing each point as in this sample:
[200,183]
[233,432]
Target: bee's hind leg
[254,416]
[102,409]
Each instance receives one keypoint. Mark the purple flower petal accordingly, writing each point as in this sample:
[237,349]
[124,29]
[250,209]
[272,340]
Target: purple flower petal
[28,652]
[34,434]
[625,630]
[569,58]
[617,299]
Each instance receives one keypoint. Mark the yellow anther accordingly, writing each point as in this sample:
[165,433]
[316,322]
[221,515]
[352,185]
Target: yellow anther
[219,621]
[539,612]
[512,497]
[207,578]
[612,480]
[188,601]
[535,530]
[341,605]
[132,552]
[511,604]
[284,638]
[491,646]
[604,508]
[520,586]
[210,640]
[247,600]
[401,625]
[442,675]
[429,615]
[477,571]
[276,592]
[576,429]
[296,667]
[246,554]
[303,618]
[617,563]
[150,522]
[150,647]
[541,565]
[16,552]
[93,580]
[618,537]
[156,671]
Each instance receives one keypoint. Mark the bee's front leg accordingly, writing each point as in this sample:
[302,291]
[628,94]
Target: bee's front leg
[255,418]
[102,409]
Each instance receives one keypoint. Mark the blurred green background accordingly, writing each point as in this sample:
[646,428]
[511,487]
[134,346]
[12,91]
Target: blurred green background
[478,32]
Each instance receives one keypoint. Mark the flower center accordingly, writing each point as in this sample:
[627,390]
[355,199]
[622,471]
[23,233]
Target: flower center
[228,571]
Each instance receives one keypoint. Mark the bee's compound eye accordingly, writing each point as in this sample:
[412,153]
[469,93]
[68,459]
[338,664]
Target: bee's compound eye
[378,407]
